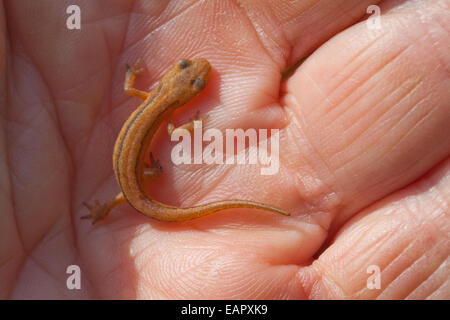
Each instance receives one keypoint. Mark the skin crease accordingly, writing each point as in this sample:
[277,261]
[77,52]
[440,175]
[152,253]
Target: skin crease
[364,150]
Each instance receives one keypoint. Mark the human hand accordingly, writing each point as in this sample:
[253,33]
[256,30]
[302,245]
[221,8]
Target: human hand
[364,151]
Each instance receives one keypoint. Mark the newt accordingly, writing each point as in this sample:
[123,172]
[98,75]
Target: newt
[177,87]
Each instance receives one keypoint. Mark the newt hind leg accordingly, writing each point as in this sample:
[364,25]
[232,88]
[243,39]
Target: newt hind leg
[152,169]
[99,211]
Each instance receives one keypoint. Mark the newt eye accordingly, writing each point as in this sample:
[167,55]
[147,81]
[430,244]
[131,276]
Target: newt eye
[183,64]
[199,83]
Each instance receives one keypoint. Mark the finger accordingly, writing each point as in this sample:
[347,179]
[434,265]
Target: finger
[395,249]
[370,108]
[289,31]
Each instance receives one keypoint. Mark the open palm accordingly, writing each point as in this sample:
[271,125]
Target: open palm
[364,150]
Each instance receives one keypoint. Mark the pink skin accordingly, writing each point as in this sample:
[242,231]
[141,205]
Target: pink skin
[364,143]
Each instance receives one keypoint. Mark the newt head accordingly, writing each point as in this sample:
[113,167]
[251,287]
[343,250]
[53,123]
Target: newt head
[186,79]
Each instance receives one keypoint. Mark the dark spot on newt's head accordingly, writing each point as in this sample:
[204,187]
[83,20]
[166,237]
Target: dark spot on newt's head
[183,64]
[199,83]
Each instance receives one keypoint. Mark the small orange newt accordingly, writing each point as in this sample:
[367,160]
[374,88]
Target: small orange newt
[180,85]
